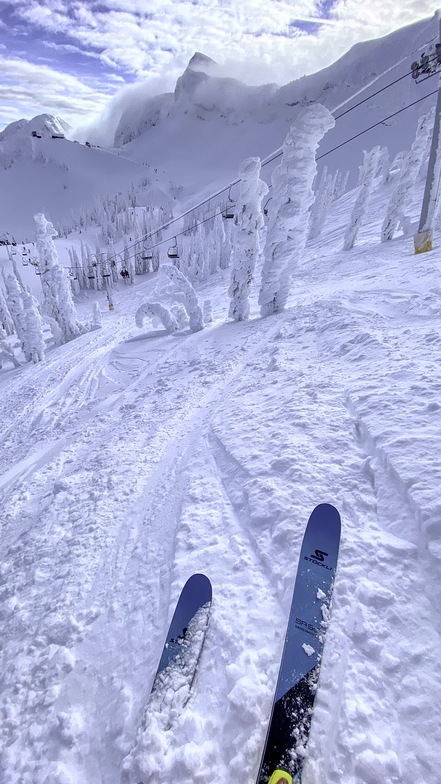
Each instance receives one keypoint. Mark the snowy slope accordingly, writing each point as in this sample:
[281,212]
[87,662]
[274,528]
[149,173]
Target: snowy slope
[60,177]
[131,459]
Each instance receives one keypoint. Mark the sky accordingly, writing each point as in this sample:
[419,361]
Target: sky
[73,58]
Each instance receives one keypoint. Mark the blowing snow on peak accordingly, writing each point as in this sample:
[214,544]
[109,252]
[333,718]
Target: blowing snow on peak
[209,326]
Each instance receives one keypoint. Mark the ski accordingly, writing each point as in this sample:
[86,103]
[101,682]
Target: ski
[185,638]
[290,721]
[175,676]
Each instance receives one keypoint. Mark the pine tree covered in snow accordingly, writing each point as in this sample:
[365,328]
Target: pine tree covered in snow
[14,300]
[402,196]
[369,169]
[58,300]
[33,344]
[321,204]
[248,223]
[292,197]
[6,320]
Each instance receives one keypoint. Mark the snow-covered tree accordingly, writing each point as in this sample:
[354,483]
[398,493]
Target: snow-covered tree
[369,169]
[207,311]
[321,204]
[384,166]
[156,310]
[97,320]
[248,223]
[6,320]
[58,300]
[288,209]
[402,196]
[185,291]
[33,344]
[14,300]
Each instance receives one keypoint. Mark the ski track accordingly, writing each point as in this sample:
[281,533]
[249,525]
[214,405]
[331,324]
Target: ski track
[134,460]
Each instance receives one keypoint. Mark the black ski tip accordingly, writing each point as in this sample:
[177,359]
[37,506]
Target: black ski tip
[199,584]
[328,513]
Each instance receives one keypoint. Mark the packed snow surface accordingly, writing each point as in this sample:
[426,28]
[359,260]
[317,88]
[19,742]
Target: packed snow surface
[131,459]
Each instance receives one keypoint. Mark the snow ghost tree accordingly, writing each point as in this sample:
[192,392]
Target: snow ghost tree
[368,172]
[58,301]
[6,321]
[186,293]
[248,224]
[402,196]
[321,204]
[292,197]
[33,344]
[15,306]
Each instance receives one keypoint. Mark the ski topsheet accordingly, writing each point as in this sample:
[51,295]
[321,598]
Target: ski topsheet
[185,638]
[173,682]
[287,737]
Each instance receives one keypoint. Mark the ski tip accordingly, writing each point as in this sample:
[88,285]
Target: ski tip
[327,511]
[200,583]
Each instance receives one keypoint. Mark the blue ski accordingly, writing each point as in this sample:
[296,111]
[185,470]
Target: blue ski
[288,731]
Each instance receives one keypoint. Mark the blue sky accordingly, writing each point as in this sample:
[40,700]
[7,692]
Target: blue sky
[70,58]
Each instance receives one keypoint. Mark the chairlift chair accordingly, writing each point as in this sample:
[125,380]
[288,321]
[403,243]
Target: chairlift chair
[265,206]
[24,261]
[147,255]
[173,252]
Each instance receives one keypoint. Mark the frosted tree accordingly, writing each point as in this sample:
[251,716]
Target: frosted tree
[207,311]
[292,197]
[97,320]
[14,298]
[6,320]
[248,223]
[155,310]
[401,198]
[182,287]
[340,184]
[384,165]
[369,169]
[33,344]
[58,300]
[321,204]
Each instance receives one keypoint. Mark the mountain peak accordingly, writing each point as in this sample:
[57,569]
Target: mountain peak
[201,62]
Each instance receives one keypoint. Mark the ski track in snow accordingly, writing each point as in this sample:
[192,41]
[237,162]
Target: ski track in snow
[130,461]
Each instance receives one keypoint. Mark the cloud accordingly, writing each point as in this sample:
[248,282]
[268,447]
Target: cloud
[98,43]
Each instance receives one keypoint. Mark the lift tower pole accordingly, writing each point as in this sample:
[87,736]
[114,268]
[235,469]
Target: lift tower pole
[423,240]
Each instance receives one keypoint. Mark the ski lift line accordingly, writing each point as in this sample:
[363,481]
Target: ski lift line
[434,92]
[156,245]
[277,155]
[272,157]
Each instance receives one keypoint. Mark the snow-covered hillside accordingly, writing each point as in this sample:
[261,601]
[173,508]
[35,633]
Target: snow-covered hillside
[131,458]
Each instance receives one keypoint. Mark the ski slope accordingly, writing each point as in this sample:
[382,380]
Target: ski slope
[131,459]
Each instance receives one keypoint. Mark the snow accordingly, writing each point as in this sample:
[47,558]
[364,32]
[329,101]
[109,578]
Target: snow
[131,458]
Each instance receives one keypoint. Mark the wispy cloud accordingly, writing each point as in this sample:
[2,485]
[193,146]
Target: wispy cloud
[78,53]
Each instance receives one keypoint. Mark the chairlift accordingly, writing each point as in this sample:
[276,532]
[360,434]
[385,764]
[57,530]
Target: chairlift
[91,275]
[173,252]
[24,262]
[228,212]
[265,206]
[147,254]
